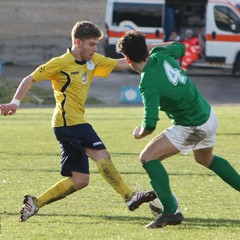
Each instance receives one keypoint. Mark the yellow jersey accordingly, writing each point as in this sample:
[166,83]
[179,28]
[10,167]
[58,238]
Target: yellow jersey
[71,80]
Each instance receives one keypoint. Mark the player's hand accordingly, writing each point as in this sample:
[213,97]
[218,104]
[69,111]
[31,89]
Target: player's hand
[8,109]
[137,133]
[140,132]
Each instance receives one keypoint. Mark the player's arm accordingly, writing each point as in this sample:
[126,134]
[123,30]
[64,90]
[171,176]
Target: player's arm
[122,65]
[24,86]
[177,49]
[150,119]
[163,44]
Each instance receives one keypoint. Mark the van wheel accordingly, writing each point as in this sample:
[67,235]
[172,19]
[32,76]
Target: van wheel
[236,65]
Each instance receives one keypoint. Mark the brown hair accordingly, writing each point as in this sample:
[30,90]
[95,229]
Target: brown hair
[133,45]
[86,30]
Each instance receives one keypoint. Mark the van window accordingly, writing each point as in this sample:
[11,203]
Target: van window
[143,15]
[225,18]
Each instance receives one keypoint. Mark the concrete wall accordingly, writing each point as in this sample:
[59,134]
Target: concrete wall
[33,31]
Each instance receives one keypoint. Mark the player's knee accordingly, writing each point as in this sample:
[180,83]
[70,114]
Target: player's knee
[80,183]
[96,155]
[147,155]
[104,154]
[204,161]
[144,157]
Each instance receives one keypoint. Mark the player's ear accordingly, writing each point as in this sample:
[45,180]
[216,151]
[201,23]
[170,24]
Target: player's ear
[77,41]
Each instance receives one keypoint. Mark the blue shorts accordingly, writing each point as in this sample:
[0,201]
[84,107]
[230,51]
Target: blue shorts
[72,141]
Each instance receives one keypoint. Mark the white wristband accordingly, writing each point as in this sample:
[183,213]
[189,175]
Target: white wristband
[15,102]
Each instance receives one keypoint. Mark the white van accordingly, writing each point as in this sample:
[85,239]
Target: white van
[123,15]
[158,18]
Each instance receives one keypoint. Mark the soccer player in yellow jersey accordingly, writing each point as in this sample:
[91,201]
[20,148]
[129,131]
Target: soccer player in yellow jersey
[71,75]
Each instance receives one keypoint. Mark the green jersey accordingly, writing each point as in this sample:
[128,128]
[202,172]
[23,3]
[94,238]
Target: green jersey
[166,87]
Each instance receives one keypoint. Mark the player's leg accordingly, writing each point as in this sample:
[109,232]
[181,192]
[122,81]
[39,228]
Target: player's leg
[58,191]
[63,188]
[74,166]
[158,149]
[96,150]
[109,172]
[218,165]
[107,169]
[151,156]
[203,153]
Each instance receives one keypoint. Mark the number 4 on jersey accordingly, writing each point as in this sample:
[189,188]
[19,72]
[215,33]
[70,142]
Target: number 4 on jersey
[173,74]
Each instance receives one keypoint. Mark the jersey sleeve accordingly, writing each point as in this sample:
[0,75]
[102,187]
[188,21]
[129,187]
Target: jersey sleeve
[176,50]
[46,70]
[105,66]
[151,101]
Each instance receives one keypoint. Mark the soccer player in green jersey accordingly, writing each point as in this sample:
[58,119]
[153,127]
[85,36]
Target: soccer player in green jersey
[71,75]
[166,87]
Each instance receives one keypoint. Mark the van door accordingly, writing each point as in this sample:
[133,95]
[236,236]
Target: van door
[222,32]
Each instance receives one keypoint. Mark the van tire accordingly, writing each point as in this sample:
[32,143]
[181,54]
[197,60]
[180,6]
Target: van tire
[236,65]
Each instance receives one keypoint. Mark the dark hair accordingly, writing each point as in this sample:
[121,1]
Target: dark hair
[86,30]
[133,45]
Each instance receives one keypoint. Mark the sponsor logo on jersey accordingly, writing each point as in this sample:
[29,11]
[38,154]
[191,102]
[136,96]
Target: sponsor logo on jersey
[74,73]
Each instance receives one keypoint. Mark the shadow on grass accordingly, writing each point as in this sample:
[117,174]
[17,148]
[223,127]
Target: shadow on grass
[48,154]
[96,172]
[30,169]
[228,134]
[124,154]
[90,216]
[189,223]
[210,222]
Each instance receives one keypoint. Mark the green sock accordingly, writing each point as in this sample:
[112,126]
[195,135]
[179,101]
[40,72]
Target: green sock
[160,183]
[226,172]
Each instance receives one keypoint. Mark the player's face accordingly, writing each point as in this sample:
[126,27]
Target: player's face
[87,48]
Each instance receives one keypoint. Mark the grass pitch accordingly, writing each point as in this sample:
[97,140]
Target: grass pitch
[30,164]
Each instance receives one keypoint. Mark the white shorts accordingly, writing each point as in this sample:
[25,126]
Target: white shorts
[186,139]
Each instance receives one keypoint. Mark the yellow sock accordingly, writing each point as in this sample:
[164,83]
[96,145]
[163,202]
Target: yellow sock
[58,191]
[112,176]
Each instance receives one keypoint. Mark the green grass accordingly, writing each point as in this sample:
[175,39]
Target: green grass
[30,164]
[8,88]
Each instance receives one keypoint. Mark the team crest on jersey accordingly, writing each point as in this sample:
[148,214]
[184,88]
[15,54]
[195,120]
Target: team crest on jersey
[90,65]
[84,78]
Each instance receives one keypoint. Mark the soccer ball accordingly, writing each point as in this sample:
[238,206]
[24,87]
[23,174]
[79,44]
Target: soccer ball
[156,205]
